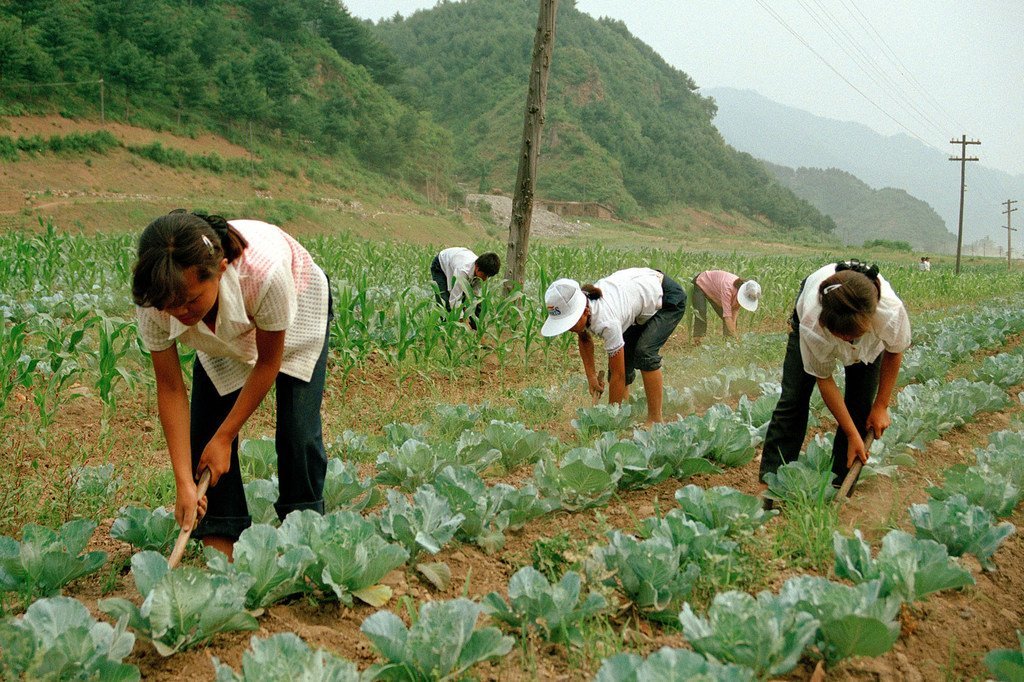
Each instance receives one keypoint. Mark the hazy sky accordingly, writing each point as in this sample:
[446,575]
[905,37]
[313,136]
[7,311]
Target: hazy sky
[931,69]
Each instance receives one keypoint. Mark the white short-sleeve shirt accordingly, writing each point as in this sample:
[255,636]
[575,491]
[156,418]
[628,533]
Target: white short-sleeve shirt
[628,297]
[274,285]
[457,264]
[820,349]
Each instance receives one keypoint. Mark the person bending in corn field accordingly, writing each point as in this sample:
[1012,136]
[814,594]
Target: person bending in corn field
[457,271]
[845,313]
[726,293]
[256,308]
[634,311]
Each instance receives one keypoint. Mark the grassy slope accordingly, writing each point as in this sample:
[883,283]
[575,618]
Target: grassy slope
[122,191]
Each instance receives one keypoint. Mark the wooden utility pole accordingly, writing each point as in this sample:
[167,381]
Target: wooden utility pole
[963,159]
[1009,210]
[526,178]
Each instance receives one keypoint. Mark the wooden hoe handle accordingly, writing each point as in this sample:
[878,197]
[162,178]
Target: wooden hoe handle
[182,542]
[846,490]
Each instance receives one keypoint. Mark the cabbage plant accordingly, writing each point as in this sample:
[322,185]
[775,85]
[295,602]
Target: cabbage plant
[145,529]
[521,504]
[484,520]
[284,657]
[578,481]
[442,644]
[670,664]
[964,528]
[728,509]
[1005,456]
[46,560]
[57,640]
[260,496]
[679,447]
[554,611]
[181,608]
[269,571]
[1002,369]
[852,621]
[650,572]
[982,486]
[593,421]
[764,634]
[806,480]
[730,442]
[910,568]
[349,556]
[344,490]
[517,444]
[630,462]
[257,457]
[1007,665]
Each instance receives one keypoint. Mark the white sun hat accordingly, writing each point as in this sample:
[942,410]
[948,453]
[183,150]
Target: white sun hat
[749,295]
[566,303]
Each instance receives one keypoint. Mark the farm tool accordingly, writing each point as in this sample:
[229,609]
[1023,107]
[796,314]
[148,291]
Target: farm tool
[846,490]
[186,533]
[595,394]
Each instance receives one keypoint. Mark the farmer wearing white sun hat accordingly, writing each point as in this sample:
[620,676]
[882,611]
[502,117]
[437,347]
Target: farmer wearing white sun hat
[727,293]
[634,311]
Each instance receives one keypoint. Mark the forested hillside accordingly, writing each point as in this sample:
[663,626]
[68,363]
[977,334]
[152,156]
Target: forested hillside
[302,73]
[863,214]
[425,102]
[623,126]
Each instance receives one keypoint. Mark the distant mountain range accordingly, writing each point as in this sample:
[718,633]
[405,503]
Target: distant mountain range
[862,213]
[791,137]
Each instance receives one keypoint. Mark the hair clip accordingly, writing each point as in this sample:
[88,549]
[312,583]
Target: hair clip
[830,288]
[209,244]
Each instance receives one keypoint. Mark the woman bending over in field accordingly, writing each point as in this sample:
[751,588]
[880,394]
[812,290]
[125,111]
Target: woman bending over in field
[256,308]
[844,312]
[634,311]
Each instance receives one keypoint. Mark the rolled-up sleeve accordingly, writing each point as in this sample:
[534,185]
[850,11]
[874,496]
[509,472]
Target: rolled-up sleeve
[153,329]
[897,337]
[612,336]
[817,353]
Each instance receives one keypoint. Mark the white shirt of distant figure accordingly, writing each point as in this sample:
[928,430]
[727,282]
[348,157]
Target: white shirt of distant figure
[457,263]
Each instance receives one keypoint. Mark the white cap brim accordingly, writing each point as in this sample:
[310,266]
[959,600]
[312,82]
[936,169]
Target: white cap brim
[559,324]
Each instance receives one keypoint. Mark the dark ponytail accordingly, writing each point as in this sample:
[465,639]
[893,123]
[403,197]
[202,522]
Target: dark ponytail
[174,243]
[231,240]
[591,292]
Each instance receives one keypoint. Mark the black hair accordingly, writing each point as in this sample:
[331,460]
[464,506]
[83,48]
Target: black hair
[591,292]
[849,298]
[489,263]
[175,242]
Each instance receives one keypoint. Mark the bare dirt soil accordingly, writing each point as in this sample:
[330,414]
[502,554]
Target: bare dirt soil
[944,637]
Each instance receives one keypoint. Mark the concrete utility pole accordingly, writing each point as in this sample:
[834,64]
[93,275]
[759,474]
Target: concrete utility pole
[1009,210]
[963,159]
[526,180]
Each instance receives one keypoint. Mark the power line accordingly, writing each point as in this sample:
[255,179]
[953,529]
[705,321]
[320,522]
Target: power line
[861,57]
[894,59]
[836,71]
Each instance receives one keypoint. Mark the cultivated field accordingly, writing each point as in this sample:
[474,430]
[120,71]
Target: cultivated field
[512,529]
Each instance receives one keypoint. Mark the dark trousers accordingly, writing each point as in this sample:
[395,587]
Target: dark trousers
[443,293]
[788,426]
[301,458]
[644,341]
[700,312]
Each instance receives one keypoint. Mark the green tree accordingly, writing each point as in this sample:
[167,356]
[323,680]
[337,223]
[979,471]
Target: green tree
[132,68]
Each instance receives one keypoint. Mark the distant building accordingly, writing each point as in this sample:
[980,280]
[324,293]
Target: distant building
[587,209]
